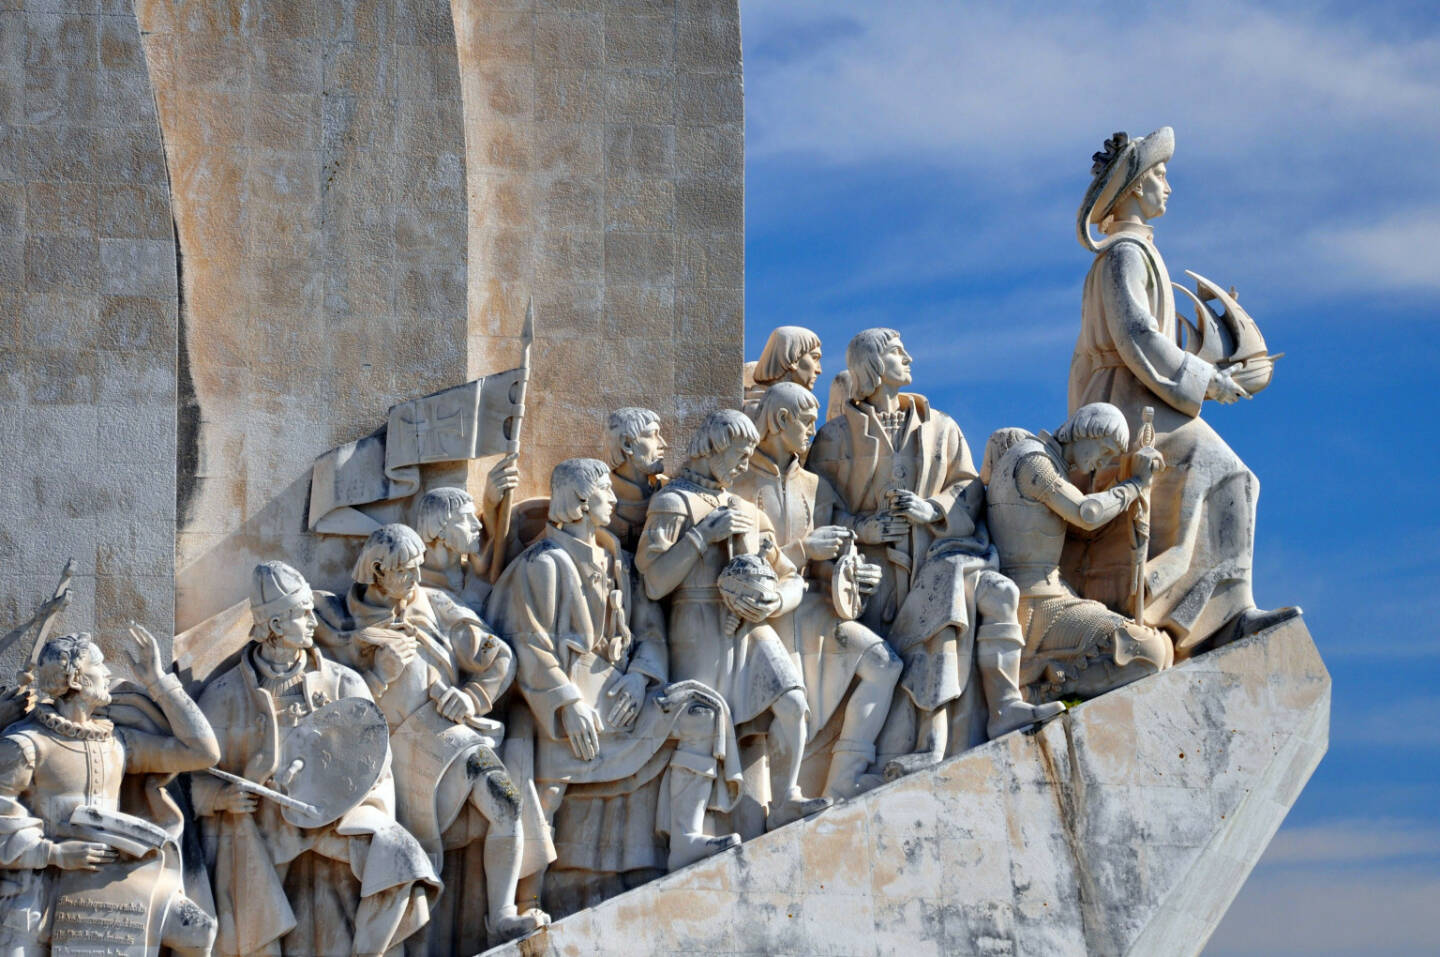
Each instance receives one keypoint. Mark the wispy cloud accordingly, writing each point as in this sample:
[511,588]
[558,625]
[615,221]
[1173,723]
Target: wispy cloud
[1342,888]
[1292,118]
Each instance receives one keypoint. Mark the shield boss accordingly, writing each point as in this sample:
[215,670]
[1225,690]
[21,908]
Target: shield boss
[332,758]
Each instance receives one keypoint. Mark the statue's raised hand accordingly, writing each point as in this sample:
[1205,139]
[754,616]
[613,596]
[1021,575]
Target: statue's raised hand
[143,651]
[504,477]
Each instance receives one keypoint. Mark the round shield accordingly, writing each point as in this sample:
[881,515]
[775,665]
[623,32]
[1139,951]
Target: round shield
[331,759]
[844,587]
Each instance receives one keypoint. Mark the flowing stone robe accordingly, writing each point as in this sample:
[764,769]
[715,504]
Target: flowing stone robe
[925,605]
[825,648]
[1095,648]
[1202,522]
[280,889]
[752,668]
[565,607]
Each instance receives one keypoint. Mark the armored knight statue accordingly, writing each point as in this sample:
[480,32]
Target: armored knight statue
[694,527]
[437,671]
[1074,647]
[457,541]
[1198,572]
[832,653]
[637,465]
[907,486]
[791,354]
[594,670]
[358,884]
[62,771]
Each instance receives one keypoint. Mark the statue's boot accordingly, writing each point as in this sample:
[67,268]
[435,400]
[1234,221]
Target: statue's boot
[793,808]
[511,925]
[692,778]
[998,648]
[849,762]
[1252,621]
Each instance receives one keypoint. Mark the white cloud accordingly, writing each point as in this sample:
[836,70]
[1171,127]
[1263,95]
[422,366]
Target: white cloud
[1287,123]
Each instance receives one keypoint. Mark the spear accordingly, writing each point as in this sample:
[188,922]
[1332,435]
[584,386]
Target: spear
[1141,541]
[46,616]
[500,534]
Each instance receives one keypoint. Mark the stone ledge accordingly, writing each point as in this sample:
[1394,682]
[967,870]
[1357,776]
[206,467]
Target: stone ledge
[1125,827]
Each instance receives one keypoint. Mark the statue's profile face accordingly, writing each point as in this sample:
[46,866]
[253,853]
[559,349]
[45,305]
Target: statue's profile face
[799,430]
[807,370]
[92,678]
[1089,455]
[462,532]
[397,583]
[895,365]
[1154,192]
[647,451]
[728,464]
[601,502]
[296,628]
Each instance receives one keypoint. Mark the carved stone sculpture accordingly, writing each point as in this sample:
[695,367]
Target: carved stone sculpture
[594,672]
[693,528]
[1074,647]
[791,354]
[81,873]
[458,549]
[1198,573]
[907,486]
[637,465]
[436,671]
[360,885]
[830,651]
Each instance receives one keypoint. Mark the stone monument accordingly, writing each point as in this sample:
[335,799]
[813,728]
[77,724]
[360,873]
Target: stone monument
[289,278]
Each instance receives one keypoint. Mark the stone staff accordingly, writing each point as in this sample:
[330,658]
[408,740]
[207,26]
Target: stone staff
[501,532]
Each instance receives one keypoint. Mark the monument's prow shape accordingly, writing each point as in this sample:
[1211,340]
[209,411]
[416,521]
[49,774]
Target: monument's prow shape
[1125,827]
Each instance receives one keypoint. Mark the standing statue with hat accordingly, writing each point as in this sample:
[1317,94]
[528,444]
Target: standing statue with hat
[304,852]
[1133,352]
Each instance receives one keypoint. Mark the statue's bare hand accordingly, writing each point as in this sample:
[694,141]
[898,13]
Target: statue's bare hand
[881,527]
[455,705]
[144,651]
[82,855]
[1224,389]
[913,508]
[582,726]
[503,477]
[393,654]
[1146,463]
[757,608]
[14,703]
[867,576]
[233,799]
[725,523]
[826,542]
[625,700]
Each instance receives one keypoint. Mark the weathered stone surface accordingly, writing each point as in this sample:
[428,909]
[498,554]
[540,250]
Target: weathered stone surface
[1124,827]
[88,342]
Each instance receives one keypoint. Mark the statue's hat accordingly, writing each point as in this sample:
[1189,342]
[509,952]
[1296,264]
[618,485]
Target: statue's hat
[1115,170]
[275,588]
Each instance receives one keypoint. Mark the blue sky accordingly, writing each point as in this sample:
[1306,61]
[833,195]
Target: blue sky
[919,164]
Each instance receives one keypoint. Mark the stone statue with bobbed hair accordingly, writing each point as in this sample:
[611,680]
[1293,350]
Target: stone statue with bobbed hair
[437,671]
[627,760]
[694,527]
[791,354]
[636,451]
[1074,647]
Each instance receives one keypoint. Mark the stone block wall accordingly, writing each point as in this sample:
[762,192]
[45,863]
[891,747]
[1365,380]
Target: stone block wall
[88,329]
[237,232]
